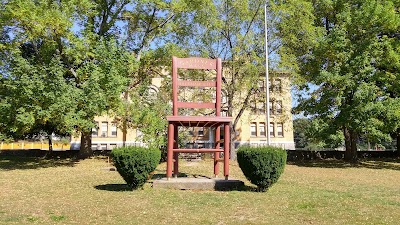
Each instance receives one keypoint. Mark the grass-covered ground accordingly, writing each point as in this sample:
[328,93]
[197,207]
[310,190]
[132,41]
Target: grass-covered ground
[37,191]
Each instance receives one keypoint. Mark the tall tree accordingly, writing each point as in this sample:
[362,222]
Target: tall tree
[55,75]
[156,30]
[234,31]
[341,56]
[91,48]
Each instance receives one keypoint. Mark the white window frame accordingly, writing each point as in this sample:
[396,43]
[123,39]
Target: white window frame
[104,129]
[278,107]
[261,128]
[279,126]
[114,128]
[253,129]
[95,130]
[271,129]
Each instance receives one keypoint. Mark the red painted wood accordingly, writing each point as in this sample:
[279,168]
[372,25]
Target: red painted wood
[199,118]
[170,149]
[195,83]
[196,105]
[197,150]
[216,154]
[218,94]
[197,121]
[174,86]
[226,149]
[176,154]
[197,63]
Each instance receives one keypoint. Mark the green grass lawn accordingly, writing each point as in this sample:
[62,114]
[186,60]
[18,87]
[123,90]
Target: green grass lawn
[36,191]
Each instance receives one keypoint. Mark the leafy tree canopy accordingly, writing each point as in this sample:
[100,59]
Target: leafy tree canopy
[349,50]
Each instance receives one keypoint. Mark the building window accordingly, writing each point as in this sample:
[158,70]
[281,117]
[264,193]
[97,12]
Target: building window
[200,132]
[261,86]
[222,132]
[271,108]
[260,108]
[253,129]
[95,130]
[262,129]
[278,107]
[271,130]
[113,130]
[139,133]
[279,129]
[104,129]
[224,99]
[277,85]
[94,146]
[224,113]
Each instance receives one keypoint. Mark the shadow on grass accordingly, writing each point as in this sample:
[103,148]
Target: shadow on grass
[113,187]
[386,163]
[26,163]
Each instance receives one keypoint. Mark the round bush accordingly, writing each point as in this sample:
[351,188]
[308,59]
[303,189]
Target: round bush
[262,166]
[135,164]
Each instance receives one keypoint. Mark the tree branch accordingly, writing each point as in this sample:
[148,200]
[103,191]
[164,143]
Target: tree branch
[243,107]
[252,20]
[163,23]
[146,33]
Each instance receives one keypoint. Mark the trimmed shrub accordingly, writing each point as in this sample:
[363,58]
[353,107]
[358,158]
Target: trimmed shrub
[135,164]
[262,166]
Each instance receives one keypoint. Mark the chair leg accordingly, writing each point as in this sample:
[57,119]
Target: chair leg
[176,154]
[216,154]
[170,149]
[226,150]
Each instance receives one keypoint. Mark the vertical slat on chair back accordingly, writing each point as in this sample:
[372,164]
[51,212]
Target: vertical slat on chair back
[196,63]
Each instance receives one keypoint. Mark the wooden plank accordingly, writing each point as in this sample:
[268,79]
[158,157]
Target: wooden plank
[195,123]
[174,86]
[196,105]
[221,119]
[196,83]
[197,150]
[196,63]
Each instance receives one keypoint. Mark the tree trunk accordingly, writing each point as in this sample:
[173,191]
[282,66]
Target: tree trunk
[124,121]
[350,140]
[50,144]
[398,142]
[86,145]
[233,154]
[124,131]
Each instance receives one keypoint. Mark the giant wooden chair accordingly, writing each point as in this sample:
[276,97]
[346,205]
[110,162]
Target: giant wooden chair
[209,122]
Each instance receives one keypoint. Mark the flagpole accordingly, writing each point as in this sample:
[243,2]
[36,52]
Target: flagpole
[267,76]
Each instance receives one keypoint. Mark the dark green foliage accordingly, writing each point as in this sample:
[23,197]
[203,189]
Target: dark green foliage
[262,166]
[135,163]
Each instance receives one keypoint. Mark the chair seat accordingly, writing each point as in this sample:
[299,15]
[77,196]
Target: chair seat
[199,121]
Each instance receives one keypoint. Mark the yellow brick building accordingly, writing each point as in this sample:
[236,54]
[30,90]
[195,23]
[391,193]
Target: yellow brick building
[252,125]
[251,128]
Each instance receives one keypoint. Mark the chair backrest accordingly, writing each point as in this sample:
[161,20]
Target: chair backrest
[201,64]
